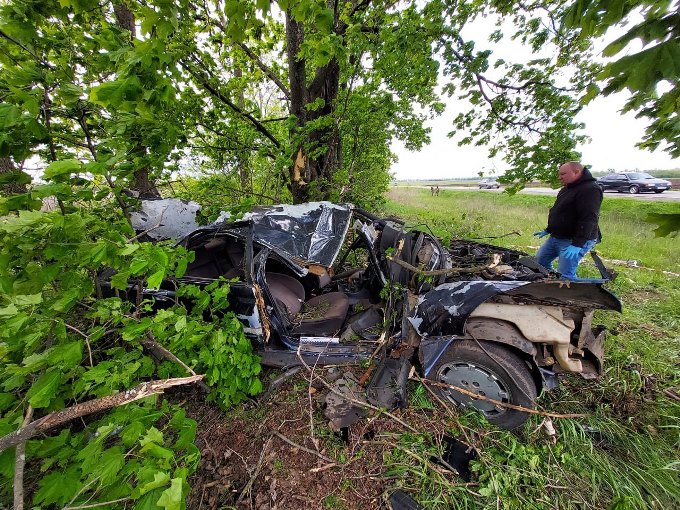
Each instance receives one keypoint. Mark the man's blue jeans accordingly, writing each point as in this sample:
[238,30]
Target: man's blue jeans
[551,250]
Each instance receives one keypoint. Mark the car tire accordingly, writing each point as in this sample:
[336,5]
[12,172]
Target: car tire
[634,189]
[488,369]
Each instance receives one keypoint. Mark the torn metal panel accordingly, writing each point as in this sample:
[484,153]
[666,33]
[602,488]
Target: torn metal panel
[311,232]
[168,218]
[444,309]
[579,294]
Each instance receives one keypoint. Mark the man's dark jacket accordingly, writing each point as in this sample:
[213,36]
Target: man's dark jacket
[576,211]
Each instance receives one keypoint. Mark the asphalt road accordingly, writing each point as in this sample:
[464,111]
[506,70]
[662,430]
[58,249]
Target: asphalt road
[669,196]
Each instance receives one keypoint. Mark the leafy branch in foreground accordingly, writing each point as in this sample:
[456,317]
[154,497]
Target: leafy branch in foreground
[67,342]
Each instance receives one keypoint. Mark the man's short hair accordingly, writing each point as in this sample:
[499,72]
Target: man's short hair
[574,166]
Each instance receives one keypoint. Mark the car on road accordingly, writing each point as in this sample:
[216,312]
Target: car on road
[489,183]
[329,284]
[633,182]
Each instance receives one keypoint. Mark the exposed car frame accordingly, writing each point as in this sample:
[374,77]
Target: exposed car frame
[474,316]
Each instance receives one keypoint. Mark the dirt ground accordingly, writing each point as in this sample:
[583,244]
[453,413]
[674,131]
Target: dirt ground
[279,453]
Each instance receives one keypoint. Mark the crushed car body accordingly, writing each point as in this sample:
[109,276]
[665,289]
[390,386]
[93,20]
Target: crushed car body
[322,283]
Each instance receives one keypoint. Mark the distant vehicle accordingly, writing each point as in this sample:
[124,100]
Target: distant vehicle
[489,183]
[633,182]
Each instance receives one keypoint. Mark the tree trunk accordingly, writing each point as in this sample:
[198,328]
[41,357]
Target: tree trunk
[6,167]
[141,180]
[306,169]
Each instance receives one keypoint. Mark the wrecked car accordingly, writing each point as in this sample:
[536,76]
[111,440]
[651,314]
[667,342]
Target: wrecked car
[330,284]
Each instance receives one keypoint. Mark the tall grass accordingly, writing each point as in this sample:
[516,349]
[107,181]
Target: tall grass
[625,452]
[626,234]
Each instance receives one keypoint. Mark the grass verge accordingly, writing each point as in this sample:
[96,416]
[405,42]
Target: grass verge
[625,452]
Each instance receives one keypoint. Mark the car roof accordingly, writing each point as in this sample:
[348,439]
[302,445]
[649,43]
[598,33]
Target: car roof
[310,233]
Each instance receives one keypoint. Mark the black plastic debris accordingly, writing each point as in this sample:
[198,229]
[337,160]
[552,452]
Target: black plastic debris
[341,407]
[399,500]
[457,455]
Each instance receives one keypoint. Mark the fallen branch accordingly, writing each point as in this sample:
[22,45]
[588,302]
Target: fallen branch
[162,353]
[92,406]
[496,402]
[19,463]
[304,449]
[495,260]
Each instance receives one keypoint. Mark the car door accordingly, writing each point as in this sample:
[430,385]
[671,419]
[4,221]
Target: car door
[621,183]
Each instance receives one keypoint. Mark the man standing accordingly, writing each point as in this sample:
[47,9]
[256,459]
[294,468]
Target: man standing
[572,221]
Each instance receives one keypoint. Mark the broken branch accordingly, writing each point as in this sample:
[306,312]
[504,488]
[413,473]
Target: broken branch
[92,406]
[496,259]
[304,449]
[162,353]
[496,402]
[19,463]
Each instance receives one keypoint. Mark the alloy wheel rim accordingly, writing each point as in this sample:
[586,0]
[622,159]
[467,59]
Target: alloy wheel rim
[476,379]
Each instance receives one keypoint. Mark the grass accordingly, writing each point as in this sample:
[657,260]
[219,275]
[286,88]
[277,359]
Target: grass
[625,452]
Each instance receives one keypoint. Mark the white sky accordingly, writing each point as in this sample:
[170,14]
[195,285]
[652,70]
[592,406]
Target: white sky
[613,135]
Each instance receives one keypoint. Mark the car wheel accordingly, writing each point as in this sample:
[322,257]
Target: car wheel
[634,189]
[487,369]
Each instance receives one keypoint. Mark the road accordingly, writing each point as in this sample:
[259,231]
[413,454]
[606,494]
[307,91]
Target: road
[668,196]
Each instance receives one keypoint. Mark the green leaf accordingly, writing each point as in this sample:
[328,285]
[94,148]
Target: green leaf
[58,487]
[160,479]
[60,168]
[171,499]
[9,115]
[27,299]
[42,392]
[128,249]
[154,281]
[110,463]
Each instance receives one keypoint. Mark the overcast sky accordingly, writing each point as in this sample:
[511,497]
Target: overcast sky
[613,135]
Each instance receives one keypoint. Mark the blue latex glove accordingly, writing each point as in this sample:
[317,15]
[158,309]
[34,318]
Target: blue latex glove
[540,233]
[571,252]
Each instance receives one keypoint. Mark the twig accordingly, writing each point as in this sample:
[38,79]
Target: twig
[94,505]
[250,483]
[157,225]
[87,340]
[496,259]
[355,401]
[304,449]
[161,352]
[19,463]
[92,406]
[497,402]
[671,394]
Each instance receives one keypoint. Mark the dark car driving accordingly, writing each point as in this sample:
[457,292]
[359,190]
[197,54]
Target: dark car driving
[325,283]
[633,182]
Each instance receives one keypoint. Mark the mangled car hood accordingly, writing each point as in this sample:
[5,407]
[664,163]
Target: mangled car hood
[445,309]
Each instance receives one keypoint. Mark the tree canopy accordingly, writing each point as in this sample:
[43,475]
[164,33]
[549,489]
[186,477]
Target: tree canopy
[294,100]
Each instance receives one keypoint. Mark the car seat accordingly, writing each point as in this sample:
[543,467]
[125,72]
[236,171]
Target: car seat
[319,316]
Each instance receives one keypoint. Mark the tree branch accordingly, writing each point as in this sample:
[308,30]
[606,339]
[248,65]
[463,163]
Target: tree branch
[264,68]
[203,81]
[92,406]
[19,463]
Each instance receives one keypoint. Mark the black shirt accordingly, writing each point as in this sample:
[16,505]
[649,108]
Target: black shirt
[576,211]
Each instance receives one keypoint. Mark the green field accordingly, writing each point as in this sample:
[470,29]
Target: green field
[625,451]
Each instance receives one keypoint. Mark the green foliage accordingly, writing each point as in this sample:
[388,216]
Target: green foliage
[63,341]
